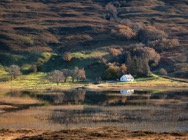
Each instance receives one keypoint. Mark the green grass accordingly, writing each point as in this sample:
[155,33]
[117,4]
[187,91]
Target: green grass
[154,81]
[151,77]
[40,80]
[37,80]
[3,74]
[89,54]
[46,56]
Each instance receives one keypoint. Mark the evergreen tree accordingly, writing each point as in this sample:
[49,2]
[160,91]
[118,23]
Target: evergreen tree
[146,68]
[129,62]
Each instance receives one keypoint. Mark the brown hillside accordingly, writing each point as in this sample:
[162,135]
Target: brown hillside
[74,25]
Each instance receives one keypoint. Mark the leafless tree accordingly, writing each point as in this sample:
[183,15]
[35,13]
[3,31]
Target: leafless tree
[75,74]
[14,71]
[82,74]
[66,73]
[56,76]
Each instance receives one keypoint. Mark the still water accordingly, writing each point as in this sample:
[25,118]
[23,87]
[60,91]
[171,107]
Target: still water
[127,108]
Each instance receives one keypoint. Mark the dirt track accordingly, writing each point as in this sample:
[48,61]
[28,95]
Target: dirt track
[109,133]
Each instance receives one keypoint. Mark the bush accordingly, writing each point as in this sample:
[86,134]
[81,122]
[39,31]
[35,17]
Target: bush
[111,9]
[115,52]
[150,33]
[67,56]
[162,71]
[123,31]
[163,44]
[135,26]
[114,71]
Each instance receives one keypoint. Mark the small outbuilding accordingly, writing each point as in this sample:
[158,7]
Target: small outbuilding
[127,78]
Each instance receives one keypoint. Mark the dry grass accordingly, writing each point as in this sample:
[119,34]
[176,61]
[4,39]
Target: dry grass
[100,133]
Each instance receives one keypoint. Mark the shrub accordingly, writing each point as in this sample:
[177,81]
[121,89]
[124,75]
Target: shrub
[114,71]
[111,73]
[33,68]
[151,55]
[135,26]
[110,8]
[123,31]
[40,62]
[163,44]
[150,33]
[67,56]
[162,71]
[115,52]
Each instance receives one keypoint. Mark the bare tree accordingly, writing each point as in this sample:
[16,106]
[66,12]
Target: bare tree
[56,76]
[82,74]
[75,74]
[14,71]
[66,73]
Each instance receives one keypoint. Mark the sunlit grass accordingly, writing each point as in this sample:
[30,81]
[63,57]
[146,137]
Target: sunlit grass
[46,56]
[37,80]
[3,74]
[40,80]
[89,54]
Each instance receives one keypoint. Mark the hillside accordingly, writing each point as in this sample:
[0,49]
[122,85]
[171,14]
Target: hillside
[31,28]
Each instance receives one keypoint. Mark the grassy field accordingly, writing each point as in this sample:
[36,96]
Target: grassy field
[40,80]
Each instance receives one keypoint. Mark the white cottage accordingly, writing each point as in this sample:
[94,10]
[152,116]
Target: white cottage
[127,78]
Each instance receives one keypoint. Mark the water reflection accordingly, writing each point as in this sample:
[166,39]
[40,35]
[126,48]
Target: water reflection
[128,92]
[57,98]
[130,109]
[124,97]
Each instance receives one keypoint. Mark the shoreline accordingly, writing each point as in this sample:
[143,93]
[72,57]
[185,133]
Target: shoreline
[36,82]
[100,87]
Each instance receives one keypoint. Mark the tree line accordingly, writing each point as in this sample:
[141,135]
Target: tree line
[56,76]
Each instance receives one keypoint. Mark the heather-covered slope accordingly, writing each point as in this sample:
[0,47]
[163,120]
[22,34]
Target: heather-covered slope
[56,26]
